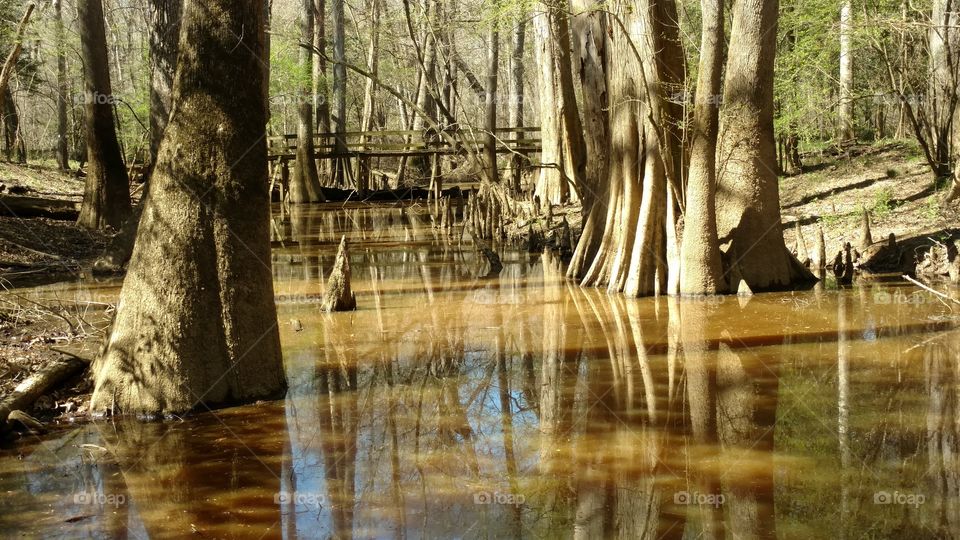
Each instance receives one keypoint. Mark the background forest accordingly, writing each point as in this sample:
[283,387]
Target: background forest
[887,43]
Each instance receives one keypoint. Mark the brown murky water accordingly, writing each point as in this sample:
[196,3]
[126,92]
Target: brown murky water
[450,405]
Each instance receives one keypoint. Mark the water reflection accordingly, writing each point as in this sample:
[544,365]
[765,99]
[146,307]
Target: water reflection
[453,405]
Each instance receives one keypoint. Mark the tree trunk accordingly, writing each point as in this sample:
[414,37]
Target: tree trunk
[748,199]
[305,183]
[515,109]
[321,93]
[644,150]
[589,31]
[196,321]
[563,154]
[490,104]
[700,269]
[63,152]
[106,197]
[943,86]
[164,45]
[370,91]
[846,73]
[10,64]
[339,93]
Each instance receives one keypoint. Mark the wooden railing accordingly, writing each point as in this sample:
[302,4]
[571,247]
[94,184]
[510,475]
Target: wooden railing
[407,143]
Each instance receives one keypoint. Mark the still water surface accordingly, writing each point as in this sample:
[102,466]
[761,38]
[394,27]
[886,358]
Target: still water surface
[452,405]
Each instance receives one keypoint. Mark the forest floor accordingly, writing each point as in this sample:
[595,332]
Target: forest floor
[889,179]
[36,250]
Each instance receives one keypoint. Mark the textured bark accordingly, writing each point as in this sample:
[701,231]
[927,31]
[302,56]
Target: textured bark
[748,202]
[490,105]
[339,296]
[63,88]
[589,28]
[106,196]
[700,269]
[196,322]
[164,47]
[305,183]
[516,95]
[563,153]
[640,220]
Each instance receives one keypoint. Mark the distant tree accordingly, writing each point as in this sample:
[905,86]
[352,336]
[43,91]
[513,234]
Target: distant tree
[106,197]
[196,321]
[305,184]
[63,89]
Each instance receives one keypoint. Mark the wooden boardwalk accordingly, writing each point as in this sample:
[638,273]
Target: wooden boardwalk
[389,147]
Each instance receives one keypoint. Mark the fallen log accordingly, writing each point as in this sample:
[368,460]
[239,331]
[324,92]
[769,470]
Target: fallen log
[17,206]
[38,384]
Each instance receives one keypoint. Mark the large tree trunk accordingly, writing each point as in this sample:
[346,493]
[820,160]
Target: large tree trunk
[106,197]
[589,40]
[164,46]
[700,269]
[748,201]
[644,151]
[196,321]
[846,72]
[305,183]
[63,152]
[563,154]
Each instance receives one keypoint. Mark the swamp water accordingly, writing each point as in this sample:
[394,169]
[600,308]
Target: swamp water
[452,405]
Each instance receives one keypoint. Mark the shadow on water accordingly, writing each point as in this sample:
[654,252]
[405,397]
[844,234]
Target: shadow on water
[451,405]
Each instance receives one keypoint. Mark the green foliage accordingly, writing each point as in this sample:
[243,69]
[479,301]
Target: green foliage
[883,202]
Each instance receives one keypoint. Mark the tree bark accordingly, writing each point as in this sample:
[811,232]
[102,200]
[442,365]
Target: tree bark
[563,153]
[701,271]
[339,92]
[590,28]
[370,90]
[748,202]
[305,183]
[516,97]
[490,104]
[63,152]
[106,197]
[164,47]
[644,151]
[196,321]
